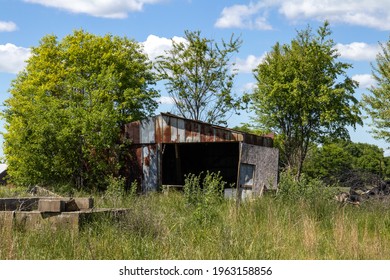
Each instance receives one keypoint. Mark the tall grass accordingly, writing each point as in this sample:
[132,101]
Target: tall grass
[170,226]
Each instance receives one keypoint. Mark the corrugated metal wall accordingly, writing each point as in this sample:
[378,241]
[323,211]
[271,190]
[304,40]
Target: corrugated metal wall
[166,128]
[171,129]
[150,168]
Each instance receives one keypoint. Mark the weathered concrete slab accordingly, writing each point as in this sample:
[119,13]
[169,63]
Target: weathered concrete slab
[74,221]
[71,205]
[20,204]
[77,204]
[84,203]
[46,204]
[51,205]
[53,212]
[37,220]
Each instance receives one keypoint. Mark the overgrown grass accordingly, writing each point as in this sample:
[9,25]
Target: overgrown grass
[170,226]
[12,191]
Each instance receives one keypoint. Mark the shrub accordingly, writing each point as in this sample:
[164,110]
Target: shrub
[306,188]
[204,195]
[10,191]
[115,191]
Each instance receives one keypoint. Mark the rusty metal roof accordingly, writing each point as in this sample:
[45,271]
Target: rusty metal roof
[169,128]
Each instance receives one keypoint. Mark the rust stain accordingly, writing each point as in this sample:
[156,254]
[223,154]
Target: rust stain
[174,129]
[147,161]
[188,135]
[132,132]
[138,152]
[159,128]
[167,134]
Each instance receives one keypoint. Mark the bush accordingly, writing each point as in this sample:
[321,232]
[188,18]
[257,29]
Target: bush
[115,191]
[10,191]
[204,195]
[306,188]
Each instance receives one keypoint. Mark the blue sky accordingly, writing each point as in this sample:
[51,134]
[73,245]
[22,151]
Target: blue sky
[357,25]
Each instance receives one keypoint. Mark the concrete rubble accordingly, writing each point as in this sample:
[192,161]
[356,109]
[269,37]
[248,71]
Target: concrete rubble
[56,212]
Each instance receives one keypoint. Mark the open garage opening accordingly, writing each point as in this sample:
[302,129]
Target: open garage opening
[194,158]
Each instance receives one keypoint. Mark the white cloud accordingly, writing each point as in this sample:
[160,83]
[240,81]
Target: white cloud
[368,13]
[155,46]
[243,16]
[249,87]
[12,58]
[374,14]
[166,100]
[7,26]
[97,8]
[358,51]
[261,23]
[365,80]
[247,65]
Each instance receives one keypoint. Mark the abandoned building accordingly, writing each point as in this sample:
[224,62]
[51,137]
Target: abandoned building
[166,147]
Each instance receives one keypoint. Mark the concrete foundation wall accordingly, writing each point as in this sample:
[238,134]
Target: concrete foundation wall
[54,212]
[20,203]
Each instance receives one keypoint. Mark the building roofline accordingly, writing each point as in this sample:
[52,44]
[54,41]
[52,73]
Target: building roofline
[170,128]
[269,135]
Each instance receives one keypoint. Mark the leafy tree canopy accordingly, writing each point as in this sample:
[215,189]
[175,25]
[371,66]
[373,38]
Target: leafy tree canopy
[199,79]
[377,104]
[335,160]
[67,108]
[304,94]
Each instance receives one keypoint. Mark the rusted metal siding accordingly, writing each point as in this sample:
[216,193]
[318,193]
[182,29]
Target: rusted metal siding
[134,164]
[166,128]
[148,131]
[132,131]
[265,162]
[144,166]
[150,168]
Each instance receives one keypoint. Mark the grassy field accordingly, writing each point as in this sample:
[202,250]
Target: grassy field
[168,226]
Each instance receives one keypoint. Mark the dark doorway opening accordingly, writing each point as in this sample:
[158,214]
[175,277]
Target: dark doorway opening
[185,158]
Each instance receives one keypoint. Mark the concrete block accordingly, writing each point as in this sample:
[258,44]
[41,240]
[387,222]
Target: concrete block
[84,203]
[18,204]
[71,205]
[73,221]
[63,221]
[26,220]
[35,220]
[51,205]
[77,204]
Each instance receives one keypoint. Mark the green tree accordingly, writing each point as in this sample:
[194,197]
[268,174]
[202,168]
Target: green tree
[327,162]
[304,95]
[377,104]
[198,77]
[335,160]
[67,109]
[386,168]
[366,157]
[246,127]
